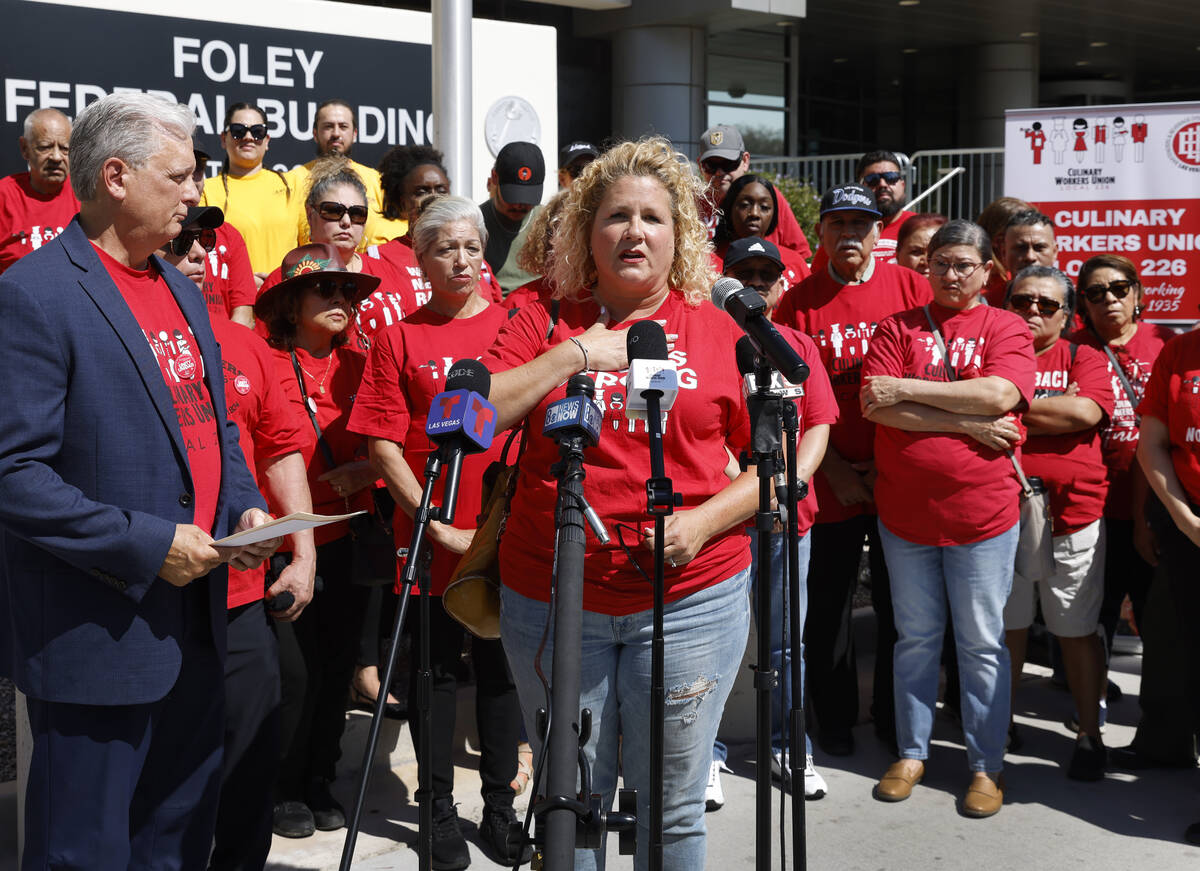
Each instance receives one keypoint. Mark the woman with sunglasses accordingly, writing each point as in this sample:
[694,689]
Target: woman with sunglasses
[308,316]
[408,367]
[1112,303]
[751,208]
[1072,403]
[942,382]
[256,199]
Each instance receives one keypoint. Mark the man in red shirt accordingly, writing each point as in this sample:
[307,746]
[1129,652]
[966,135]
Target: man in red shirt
[229,286]
[36,205]
[880,171]
[723,160]
[839,306]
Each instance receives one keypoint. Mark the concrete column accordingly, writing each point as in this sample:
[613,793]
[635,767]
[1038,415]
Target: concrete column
[997,77]
[658,84]
[452,89]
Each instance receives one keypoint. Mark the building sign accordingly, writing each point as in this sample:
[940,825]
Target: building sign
[1117,180]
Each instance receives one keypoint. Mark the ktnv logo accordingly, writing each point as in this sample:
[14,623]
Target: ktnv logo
[462,411]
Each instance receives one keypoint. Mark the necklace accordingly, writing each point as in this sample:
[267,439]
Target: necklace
[321,383]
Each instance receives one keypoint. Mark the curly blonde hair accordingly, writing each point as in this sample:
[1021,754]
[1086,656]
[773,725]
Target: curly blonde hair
[572,268]
[534,256]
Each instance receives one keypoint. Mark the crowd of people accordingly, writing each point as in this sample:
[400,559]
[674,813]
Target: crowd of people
[956,375]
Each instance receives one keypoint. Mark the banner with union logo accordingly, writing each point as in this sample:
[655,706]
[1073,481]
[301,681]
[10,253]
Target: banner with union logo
[1117,180]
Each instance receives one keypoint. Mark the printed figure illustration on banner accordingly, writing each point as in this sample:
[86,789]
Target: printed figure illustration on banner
[1118,180]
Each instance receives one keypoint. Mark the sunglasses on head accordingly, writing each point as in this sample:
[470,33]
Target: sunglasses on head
[874,178]
[1025,301]
[182,243]
[1119,289]
[713,165]
[334,211]
[258,132]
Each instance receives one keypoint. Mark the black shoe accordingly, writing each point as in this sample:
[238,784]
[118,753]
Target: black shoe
[1192,834]
[1114,693]
[1089,759]
[292,819]
[836,742]
[450,852]
[500,835]
[327,814]
[1015,742]
[1132,759]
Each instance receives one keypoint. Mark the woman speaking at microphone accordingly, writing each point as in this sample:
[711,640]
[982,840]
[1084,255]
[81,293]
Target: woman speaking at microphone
[631,247]
[406,370]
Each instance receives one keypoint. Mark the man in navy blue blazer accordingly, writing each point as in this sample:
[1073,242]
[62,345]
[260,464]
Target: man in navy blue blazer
[118,469]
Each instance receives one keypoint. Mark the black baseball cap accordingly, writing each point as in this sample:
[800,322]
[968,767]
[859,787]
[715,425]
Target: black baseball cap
[751,246]
[520,170]
[577,149]
[200,150]
[203,217]
[845,197]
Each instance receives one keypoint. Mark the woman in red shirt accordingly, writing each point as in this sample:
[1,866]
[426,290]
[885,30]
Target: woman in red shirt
[631,247]
[1169,454]
[408,366]
[941,382]
[1072,402]
[307,317]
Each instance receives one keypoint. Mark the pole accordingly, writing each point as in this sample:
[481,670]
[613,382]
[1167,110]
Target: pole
[452,89]
[791,429]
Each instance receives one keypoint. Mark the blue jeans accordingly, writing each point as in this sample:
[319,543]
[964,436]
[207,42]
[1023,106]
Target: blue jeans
[975,579]
[705,636]
[781,653]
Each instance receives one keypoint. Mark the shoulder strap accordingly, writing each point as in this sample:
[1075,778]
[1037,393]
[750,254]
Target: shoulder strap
[554,307]
[941,344]
[1134,397]
[324,445]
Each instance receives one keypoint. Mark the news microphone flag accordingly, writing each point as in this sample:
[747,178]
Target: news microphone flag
[574,414]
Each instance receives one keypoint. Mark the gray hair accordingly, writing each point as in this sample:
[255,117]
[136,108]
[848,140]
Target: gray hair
[960,232]
[36,115]
[1039,271]
[123,126]
[439,213]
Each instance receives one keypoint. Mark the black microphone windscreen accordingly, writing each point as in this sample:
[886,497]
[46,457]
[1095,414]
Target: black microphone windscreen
[744,350]
[723,289]
[467,374]
[582,385]
[646,340]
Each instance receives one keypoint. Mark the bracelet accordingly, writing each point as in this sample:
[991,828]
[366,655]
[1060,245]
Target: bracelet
[582,350]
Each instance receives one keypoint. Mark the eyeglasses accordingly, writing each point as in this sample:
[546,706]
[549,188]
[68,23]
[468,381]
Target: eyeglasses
[334,211]
[257,131]
[962,270]
[1119,290]
[755,277]
[1025,301]
[874,178]
[719,164]
[182,243]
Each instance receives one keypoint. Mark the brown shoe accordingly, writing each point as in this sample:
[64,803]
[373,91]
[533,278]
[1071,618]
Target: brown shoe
[985,795]
[898,781]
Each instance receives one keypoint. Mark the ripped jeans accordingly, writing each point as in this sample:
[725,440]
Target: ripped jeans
[705,637]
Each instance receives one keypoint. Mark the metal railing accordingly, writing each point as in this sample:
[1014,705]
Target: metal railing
[964,196]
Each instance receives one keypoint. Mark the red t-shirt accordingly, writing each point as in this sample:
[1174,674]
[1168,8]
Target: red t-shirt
[228,279]
[941,488]
[840,319]
[815,407]
[787,232]
[708,413]
[170,338]
[407,368]
[1071,464]
[537,289]
[340,373]
[1173,396]
[267,425]
[399,254]
[28,220]
[997,285]
[1119,437]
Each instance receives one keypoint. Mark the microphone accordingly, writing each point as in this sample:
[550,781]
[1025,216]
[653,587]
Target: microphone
[746,362]
[649,369]
[750,311]
[461,421]
[577,417]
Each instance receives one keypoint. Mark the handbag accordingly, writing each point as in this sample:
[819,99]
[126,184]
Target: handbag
[472,597]
[1035,542]
[372,547]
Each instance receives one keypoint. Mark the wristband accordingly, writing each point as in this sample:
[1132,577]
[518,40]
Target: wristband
[582,350]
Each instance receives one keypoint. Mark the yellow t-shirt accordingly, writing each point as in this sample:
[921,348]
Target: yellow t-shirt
[263,208]
[378,229]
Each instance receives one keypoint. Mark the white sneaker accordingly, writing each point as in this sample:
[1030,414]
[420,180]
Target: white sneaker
[814,783]
[714,796]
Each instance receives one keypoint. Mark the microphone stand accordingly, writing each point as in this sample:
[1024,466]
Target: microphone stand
[567,817]
[421,518]
[661,500]
[796,491]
